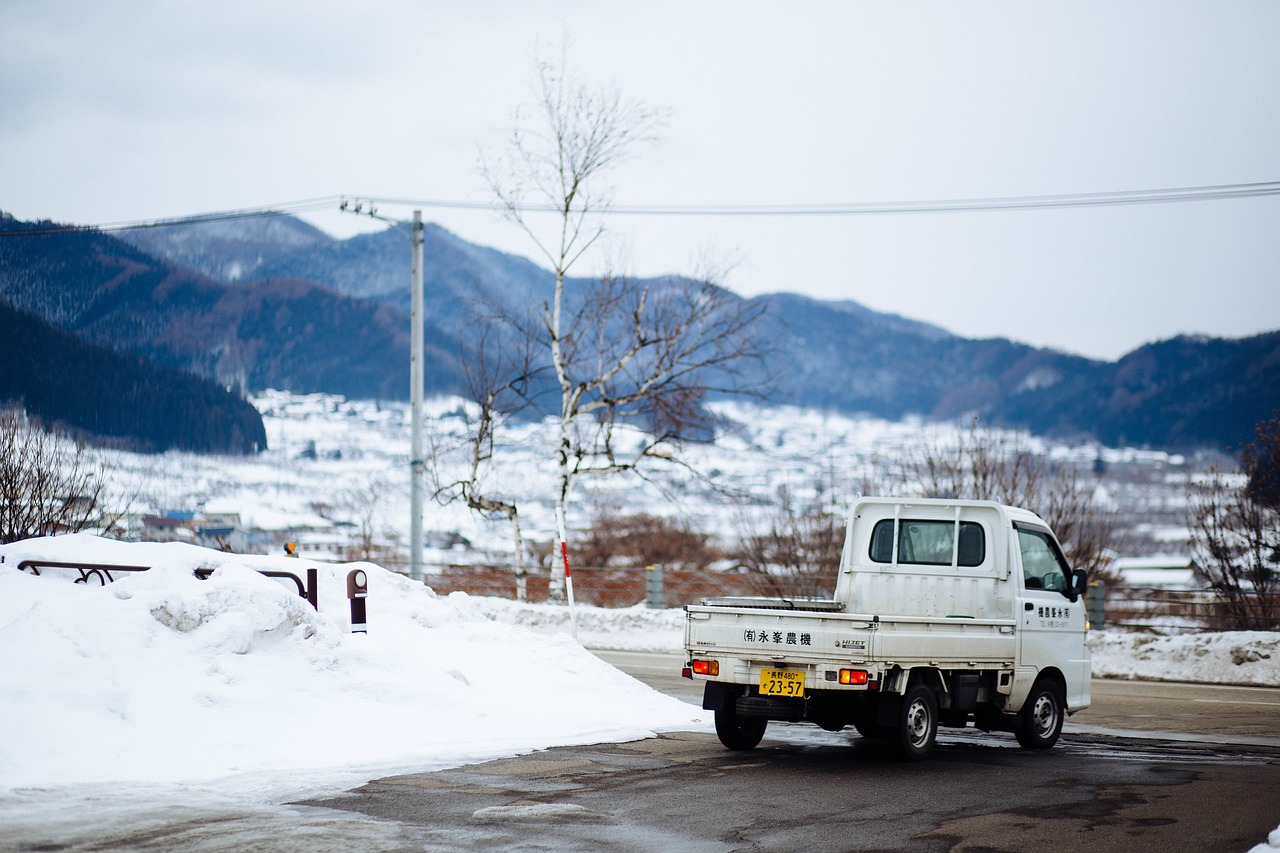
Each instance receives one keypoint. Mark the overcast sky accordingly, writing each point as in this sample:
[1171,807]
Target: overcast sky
[138,110]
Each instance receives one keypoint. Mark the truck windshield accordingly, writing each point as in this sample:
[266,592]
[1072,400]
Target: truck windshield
[930,543]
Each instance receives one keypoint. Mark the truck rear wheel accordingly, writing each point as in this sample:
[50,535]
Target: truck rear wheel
[916,731]
[738,732]
[1040,721]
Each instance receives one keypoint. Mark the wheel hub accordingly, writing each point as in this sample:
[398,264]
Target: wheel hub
[1044,716]
[918,722]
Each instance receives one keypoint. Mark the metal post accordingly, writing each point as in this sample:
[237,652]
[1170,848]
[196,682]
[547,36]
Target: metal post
[654,599]
[1095,605]
[568,575]
[415,402]
[357,592]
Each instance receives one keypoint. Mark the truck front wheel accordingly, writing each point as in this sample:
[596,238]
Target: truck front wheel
[738,732]
[916,731]
[1040,721]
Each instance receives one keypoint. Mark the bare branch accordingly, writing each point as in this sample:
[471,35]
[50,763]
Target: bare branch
[988,465]
[48,484]
[621,352]
[1235,535]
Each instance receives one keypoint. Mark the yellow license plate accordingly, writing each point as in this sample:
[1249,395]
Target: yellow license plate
[781,682]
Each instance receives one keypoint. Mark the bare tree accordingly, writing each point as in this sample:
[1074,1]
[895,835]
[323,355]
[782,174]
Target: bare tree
[48,483]
[642,539]
[620,351]
[798,555]
[499,371]
[363,502]
[989,465]
[1235,534]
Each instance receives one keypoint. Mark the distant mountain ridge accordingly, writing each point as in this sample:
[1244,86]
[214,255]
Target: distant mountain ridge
[122,399]
[284,333]
[229,250]
[273,302]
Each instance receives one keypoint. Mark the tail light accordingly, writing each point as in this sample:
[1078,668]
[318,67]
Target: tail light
[706,667]
[853,676]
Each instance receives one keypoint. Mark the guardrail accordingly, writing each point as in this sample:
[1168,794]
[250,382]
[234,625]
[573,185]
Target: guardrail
[601,587]
[1189,611]
[105,573]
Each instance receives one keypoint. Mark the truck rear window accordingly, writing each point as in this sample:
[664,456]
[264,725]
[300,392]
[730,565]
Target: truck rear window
[929,543]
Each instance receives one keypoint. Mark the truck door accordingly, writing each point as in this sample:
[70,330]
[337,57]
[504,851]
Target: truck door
[1051,627]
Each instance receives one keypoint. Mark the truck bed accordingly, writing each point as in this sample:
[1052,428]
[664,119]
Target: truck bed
[776,632]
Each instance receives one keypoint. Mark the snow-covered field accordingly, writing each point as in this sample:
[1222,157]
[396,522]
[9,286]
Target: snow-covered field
[348,460]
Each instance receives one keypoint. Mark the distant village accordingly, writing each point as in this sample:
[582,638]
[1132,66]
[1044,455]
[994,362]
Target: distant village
[315,538]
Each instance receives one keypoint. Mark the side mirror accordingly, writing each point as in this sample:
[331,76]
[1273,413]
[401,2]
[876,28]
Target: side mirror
[1079,583]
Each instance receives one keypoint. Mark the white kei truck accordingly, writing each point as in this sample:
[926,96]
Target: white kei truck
[946,612]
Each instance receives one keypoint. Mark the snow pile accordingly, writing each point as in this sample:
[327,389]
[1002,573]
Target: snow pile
[163,677]
[160,677]
[1233,657]
[625,629]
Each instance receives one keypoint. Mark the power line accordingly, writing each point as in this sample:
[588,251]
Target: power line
[368,205]
[310,205]
[1157,196]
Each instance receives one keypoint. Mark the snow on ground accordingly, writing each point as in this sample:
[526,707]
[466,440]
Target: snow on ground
[1233,657]
[165,698]
[161,677]
[348,458]
[1271,845]
[627,629]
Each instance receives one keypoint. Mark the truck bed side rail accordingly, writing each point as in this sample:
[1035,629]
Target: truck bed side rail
[818,605]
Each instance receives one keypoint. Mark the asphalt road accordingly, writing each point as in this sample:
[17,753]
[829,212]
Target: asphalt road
[1152,767]
[1169,711]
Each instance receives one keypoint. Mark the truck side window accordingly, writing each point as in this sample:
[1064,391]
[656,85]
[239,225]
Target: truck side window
[929,543]
[1041,566]
[882,541]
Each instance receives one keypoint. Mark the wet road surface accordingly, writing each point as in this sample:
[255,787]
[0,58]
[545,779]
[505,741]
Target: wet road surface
[1150,767]
[804,789]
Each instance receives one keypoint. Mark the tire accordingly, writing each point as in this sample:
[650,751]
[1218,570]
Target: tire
[1041,718]
[741,733]
[916,732]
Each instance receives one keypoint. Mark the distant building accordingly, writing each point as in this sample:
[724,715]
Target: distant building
[1158,572]
[223,538]
[166,528]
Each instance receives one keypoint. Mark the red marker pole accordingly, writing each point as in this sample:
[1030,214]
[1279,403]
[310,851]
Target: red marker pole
[568,576]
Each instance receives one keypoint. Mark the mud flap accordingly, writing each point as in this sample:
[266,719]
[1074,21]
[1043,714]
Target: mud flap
[716,694]
[887,709]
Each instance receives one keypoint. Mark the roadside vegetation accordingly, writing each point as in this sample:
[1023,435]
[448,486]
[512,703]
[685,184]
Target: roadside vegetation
[49,483]
[1234,519]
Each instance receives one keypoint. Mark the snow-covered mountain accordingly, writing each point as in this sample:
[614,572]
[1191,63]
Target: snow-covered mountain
[272,302]
[230,250]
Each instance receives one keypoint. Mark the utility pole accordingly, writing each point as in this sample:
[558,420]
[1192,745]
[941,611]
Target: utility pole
[415,382]
[415,403]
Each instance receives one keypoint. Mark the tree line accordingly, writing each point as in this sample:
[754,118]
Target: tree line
[118,399]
